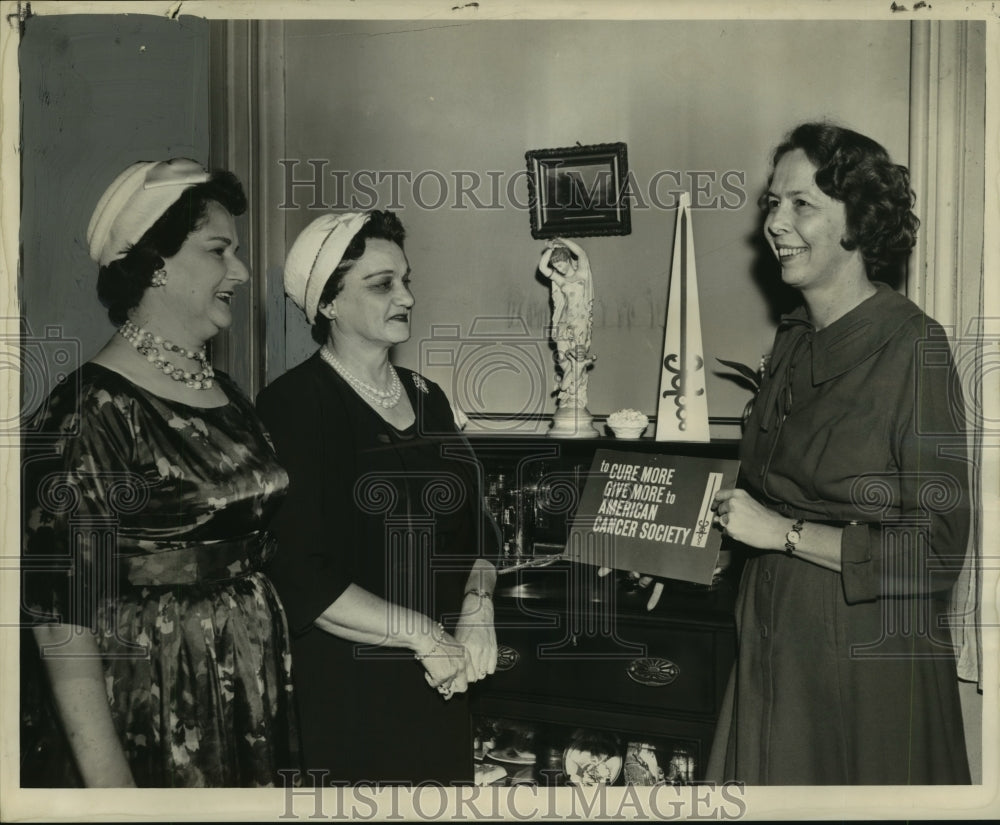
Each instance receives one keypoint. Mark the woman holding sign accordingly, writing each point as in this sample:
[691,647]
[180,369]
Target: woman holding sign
[852,502]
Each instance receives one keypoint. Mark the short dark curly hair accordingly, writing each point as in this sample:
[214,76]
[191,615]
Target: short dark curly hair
[876,192]
[383,225]
[122,283]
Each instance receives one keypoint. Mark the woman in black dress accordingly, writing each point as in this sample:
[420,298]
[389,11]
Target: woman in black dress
[853,503]
[384,545]
[148,490]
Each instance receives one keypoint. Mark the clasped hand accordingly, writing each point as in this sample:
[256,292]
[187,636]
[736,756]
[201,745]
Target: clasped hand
[476,632]
[445,666]
[458,661]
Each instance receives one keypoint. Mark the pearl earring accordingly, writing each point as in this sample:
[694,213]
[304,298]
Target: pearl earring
[159,278]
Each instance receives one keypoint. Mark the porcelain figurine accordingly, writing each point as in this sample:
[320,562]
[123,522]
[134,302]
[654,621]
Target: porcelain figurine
[567,267]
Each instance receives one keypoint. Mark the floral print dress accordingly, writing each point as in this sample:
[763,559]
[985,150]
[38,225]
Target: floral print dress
[145,520]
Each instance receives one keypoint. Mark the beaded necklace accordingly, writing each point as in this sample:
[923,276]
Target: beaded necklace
[383,398]
[148,344]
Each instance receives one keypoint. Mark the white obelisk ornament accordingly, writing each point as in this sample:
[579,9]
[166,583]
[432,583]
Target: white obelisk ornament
[682,412]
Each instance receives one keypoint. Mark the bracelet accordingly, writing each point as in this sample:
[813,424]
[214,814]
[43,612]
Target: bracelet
[438,639]
[483,594]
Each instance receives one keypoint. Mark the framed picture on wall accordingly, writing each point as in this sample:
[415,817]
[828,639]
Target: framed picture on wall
[579,191]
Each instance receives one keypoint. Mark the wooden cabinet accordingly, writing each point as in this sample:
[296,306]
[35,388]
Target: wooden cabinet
[582,659]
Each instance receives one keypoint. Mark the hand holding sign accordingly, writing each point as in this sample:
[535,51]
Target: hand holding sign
[651,513]
[745,519]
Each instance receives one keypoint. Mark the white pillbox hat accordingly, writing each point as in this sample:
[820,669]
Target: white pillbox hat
[135,201]
[315,254]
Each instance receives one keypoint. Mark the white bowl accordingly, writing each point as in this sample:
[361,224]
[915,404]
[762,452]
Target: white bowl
[629,432]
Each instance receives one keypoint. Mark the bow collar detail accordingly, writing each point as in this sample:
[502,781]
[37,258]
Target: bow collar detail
[836,349]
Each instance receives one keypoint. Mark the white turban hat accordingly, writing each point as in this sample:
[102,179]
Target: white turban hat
[315,254]
[135,201]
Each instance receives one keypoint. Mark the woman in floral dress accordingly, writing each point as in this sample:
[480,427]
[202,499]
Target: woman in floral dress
[147,493]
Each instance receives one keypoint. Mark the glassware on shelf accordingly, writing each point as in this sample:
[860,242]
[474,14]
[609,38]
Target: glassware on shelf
[514,518]
[649,764]
[494,495]
[681,768]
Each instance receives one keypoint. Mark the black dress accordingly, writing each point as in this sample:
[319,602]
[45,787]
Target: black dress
[145,520]
[848,678]
[397,513]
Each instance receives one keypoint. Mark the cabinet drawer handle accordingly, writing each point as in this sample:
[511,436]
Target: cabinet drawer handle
[652,671]
[507,657]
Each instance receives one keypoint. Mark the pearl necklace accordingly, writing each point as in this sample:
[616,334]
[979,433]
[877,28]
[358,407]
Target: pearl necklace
[147,344]
[383,398]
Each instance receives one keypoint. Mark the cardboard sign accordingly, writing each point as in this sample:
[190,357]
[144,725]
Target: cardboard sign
[651,513]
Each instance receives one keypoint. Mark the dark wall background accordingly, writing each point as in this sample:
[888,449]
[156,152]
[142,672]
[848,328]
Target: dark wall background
[687,96]
[98,93]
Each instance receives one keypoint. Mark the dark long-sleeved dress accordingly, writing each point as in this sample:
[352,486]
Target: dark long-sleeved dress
[849,677]
[389,511]
[145,520]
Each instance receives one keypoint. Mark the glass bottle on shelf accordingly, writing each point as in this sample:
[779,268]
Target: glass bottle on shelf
[513,524]
[494,495]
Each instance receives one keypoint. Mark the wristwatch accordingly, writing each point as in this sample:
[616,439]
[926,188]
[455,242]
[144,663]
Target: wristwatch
[793,537]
